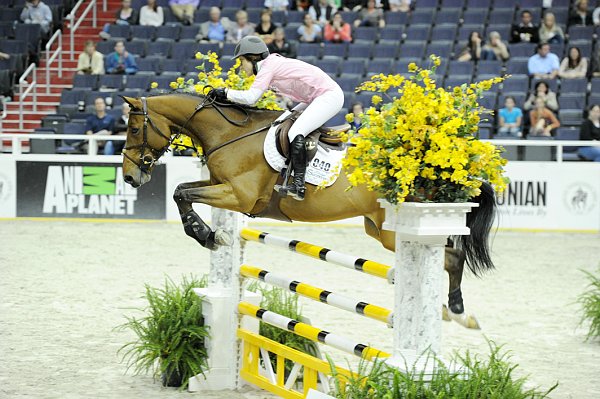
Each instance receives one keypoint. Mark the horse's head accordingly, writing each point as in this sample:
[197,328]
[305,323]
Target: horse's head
[148,137]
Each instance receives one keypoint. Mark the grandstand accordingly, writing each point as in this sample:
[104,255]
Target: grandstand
[166,52]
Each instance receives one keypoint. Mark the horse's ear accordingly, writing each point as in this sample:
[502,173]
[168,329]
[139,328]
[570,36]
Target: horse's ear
[134,102]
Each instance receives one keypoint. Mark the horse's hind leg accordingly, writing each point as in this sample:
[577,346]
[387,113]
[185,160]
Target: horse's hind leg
[454,263]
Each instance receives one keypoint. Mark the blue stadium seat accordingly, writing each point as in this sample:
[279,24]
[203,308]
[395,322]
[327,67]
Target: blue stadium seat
[335,49]
[385,51]
[232,3]
[417,33]
[489,68]
[291,32]
[188,32]
[210,3]
[488,100]
[85,81]
[580,32]
[391,33]
[295,17]
[465,31]
[426,4]
[441,49]
[111,81]
[443,32]
[515,84]
[149,64]
[255,3]
[172,65]
[355,66]
[502,29]
[72,96]
[278,17]
[143,32]
[574,86]
[570,117]
[184,49]
[159,48]
[448,16]
[519,99]
[412,50]
[457,68]
[137,47]
[309,49]
[571,101]
[517,67]
[119,32]
[453,81]
[348,83]
[501,16]
[396,18]
[170,32]
[118,101]
[377,66]
[521,50]
[568,133]
[365,34]
[141,82]
[330,65]
[13,46]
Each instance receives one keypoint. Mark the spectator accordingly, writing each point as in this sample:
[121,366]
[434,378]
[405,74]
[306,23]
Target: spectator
[281,46]
[352,5]
[321,12]
[472,50]
[357,111]
[184,10]
[4,56]
[152,14]
[543,121]
[590,130]
[241,28]
[36,12]
[126,15]
[543,64]
[337,31]
[542,90]
[266,27]
[309,32]
[91,62]
[580,14]
[100,123]
[120,61]
[510,120]
[215,29]
[399,5]
[596,15]
[573,66]
[525,31]
[370,16]
[495,48]
[301,5]
[382,4]
[595,64]
[115,147]
[277,5]
[550,32]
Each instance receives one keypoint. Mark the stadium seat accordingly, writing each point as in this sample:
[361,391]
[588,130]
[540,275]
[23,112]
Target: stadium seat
[137,47]
[570,117]
[309,49]
[391,33]
[72,96]
[117,32]
[149,64]
[517,67]
[335,49]
[44,146]
[521,50]
[573,86]
[169,32]
[365,34]
[417,33]
[515,84]
[412,50]
[449,15]
[353,67]
[569,133]
[442,49]
[330,65]
[160,48]
[141,82]
[143,32]
[501,16]
[184,49]
[111,81]
[571,101]
[395,18]
[85,81]
[458,68]
[385,51]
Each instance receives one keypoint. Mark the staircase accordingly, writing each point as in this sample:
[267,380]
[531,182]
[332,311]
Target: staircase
[47,91]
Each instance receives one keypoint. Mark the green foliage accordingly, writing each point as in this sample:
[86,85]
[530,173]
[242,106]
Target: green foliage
[170,337]
[491,378]
[590,304]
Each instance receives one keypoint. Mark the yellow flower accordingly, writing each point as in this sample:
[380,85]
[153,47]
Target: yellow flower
[376,99]
[199,55]
[412,67]
[350,117]
[180,80]
[153,85]
[173,85]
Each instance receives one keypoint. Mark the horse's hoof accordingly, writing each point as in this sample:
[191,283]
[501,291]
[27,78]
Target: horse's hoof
[465,320]
[223,238]
[445,315]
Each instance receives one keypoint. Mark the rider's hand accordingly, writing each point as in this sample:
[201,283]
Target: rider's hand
[220,94]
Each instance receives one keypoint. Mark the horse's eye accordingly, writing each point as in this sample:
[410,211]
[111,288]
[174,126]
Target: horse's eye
[135,130]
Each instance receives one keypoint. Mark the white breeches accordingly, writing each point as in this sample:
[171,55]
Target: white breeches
[323,108]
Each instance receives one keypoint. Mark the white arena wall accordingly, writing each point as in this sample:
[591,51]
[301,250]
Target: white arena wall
[545,196]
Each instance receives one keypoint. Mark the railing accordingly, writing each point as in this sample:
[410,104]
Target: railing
[50,58]
[17,139]
[24,93]
[3,116]
[75,25]
[559,144]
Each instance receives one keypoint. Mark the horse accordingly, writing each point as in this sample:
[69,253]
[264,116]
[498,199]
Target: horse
[241,180]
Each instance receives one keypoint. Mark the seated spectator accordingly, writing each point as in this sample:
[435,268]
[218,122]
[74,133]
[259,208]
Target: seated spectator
[399,5]
[370,16]
[241,28]
[580,14]
[383,4]
[36,12]
[309,32]
[277,5]
[595,64]
[543,64]
[184,10]
[280,45]
[352,5]
[90,62]
[152,14]
[100,123]
[337,31]
[266,27]
[495,48]
[542,90]
[357,111]
[215,28]
[126,15]
[120,61]
[543,121]
[574,65]
[321,12]
[525,31]
[590,130]
[510,118]
[301,5]
[550,32]
[472,50]
[4,56]
[596,15]
[115,147]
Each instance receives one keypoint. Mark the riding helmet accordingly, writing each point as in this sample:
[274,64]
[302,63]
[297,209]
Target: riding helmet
[251,45]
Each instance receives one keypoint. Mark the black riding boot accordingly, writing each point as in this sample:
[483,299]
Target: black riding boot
[298,154]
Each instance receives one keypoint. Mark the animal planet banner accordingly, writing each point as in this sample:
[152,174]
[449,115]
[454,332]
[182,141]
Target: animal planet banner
[87,190]
[551,196]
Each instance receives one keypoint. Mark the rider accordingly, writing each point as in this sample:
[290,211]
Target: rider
[317,94]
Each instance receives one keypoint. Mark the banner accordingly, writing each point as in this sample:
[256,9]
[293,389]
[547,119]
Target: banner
[551,196]
[86,190]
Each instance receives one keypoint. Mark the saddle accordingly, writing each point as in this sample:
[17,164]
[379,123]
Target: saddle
[329,136]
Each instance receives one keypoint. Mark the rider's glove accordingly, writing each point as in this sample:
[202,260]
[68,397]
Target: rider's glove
[220,94]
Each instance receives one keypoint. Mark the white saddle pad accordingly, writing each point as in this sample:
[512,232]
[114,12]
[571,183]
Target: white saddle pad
[323,169]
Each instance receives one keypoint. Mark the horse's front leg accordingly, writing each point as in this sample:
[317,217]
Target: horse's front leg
[220,196]
[454,263]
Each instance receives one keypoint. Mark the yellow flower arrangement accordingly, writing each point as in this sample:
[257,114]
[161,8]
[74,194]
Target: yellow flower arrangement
[210,76]
[422,144]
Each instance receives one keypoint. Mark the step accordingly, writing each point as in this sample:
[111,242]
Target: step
[15,125]
[42,98]
[67,63]
[28,110]
[15,131]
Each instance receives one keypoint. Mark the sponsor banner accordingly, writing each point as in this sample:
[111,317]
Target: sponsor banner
[552,196]
[8,187]
[88,190]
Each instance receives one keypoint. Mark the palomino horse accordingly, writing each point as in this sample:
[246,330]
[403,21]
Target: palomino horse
[241,180]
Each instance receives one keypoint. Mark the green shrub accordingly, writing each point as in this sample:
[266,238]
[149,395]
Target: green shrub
[170,337]
[590,304]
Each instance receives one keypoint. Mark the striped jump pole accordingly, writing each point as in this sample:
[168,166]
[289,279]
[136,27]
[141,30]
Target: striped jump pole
[314,251]
[318,294]
[312,333]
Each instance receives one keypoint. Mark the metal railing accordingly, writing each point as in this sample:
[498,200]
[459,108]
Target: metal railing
[30,89]
[3,116]
[559,144]
[51,58]
[75,25]
[17,140]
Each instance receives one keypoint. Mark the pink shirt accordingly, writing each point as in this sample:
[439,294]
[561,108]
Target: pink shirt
[295,79]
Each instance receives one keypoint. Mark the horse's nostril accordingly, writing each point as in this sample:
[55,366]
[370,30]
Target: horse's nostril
[128,179]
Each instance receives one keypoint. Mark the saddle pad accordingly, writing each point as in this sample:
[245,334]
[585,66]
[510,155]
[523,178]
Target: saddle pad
[323,169]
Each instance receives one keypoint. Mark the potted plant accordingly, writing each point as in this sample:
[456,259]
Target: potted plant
[170,336]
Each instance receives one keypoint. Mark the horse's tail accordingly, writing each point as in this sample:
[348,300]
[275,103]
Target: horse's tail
[480,221]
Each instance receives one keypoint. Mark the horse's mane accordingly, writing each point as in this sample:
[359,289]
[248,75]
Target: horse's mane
[202,96]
